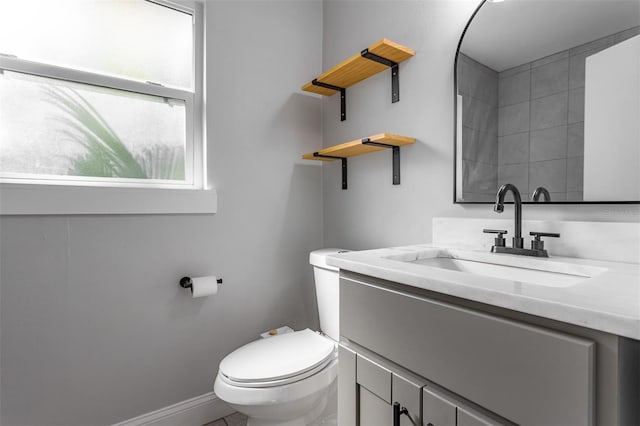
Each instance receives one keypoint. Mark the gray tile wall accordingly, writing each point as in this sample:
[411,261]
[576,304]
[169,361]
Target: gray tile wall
[541,121]
[479,90]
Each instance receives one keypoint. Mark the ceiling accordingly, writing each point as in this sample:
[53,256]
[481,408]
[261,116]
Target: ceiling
[514,32]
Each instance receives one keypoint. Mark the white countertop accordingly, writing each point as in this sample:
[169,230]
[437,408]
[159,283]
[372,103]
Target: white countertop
[609,300]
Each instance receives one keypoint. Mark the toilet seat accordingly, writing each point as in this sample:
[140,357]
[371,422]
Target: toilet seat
[248,399]
[278,361]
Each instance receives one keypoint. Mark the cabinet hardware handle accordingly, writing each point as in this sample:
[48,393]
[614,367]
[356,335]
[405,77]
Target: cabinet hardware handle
[397,412]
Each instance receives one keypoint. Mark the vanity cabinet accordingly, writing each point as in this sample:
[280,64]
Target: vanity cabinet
[370,386]
[474,364]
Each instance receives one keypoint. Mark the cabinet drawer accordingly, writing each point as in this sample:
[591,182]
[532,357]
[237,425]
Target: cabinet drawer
[527,374]
[374,377]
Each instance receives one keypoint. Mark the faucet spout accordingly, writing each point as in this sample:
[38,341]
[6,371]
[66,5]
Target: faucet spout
[498,207]
[541,191]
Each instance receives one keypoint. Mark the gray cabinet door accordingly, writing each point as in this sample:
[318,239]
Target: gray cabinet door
[407,392]
[374,393]
[373,410]
[347,387]
[440,410]
[374,377]
[437,411]
[379,386]
[369,387]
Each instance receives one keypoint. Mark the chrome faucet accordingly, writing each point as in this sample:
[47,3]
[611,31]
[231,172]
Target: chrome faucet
[541,190]
[537,245]
[498,207]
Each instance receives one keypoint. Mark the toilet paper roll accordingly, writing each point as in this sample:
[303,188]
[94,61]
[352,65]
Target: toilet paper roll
[204,286]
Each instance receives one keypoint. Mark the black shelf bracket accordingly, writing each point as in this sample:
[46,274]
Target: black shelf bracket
[344,166]
[395,72]
[343,96]
[395,159]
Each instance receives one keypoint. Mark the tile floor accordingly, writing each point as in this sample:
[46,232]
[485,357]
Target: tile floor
[235,419]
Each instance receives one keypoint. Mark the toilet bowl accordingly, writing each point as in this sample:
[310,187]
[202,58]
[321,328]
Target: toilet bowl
[289,379]
[282,380]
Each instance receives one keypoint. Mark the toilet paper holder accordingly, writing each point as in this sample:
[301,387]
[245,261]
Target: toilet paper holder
[185,282]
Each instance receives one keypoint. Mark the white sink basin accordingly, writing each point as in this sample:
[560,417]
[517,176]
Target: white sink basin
[530,270]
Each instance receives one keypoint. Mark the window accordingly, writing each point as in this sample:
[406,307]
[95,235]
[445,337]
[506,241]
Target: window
[104,93]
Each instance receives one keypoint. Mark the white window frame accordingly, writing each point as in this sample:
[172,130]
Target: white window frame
[88,195]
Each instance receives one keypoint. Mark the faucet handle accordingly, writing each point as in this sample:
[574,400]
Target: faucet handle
[499,240]
[537,243]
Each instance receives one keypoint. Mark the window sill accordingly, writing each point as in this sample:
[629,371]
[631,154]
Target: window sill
[25,199]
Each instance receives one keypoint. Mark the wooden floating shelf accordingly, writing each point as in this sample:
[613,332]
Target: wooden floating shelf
[363,146]
[358,68]
[358,147]
[378,57]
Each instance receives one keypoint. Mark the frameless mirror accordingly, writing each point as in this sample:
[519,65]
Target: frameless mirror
[547,96]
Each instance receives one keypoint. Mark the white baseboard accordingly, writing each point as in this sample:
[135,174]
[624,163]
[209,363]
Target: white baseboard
[192,412]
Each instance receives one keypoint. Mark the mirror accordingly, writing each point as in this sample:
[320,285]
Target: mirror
[547,95]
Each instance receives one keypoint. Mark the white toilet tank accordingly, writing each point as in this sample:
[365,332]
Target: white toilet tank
[327,291]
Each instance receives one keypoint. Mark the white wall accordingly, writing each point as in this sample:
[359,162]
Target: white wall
[612,109]
[94,328]
[372,212]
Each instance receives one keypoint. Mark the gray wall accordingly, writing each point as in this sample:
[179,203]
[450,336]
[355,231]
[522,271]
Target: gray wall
[372,212]
[94,329]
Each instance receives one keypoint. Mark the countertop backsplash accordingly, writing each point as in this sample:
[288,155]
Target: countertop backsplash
[610,241]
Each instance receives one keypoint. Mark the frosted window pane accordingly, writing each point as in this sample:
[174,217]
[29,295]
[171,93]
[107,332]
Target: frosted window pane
[51,127]
[133,39]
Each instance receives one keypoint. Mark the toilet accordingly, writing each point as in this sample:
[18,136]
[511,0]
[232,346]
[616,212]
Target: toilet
[289,379]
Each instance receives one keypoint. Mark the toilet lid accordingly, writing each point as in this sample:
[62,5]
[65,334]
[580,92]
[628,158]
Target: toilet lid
[276,358]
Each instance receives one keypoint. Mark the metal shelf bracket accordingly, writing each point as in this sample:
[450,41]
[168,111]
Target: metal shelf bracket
[395,159]
[395,72]
[344,166]
[343,96]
